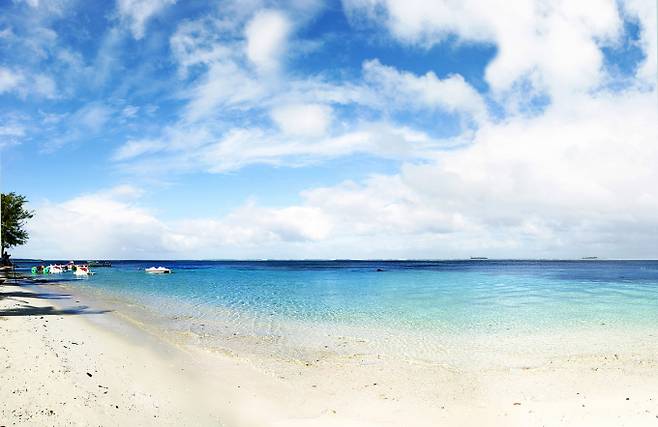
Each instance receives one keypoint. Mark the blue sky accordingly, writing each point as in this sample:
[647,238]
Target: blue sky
[309,129]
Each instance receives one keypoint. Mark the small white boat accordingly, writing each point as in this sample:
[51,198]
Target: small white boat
[158,270]
[55,269]
[82,271]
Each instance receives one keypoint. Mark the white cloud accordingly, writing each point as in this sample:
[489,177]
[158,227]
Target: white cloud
[225,85]
[267,34]
[301,108]
[302,119]
[305,130]
[45,86]
[214,46]
[574,181]
[23,83]
[93,116]
[553,45]
[418,21]
[94,225]
[403,90]
[228,84]
[294,223]
[199,42]
[87,121]
[138,12]
[111,223]
[45,9]
[33,3]
[12,130]
[124,192]
[52,118]
[135,148]
[194,149]
[9,80]
[173,140]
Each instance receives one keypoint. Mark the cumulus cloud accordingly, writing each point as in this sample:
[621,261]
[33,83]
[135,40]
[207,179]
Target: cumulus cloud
[100,224]
[267,34]
[404,90]
[111,223]
[573,181]
[555,46]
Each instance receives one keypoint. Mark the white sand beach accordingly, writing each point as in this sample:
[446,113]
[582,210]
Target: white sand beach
[66,364]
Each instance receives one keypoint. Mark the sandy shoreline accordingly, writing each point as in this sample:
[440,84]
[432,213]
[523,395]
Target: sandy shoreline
[63,363]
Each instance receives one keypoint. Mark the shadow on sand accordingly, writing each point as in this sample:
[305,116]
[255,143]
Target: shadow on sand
[40,281]
[25,309]
[40,295]
[29,310]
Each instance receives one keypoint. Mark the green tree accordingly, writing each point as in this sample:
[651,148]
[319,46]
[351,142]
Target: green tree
[14,216]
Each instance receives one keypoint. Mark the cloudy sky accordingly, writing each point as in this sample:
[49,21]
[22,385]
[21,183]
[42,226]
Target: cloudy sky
[353,129]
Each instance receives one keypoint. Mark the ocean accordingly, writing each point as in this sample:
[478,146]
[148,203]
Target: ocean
[417,309]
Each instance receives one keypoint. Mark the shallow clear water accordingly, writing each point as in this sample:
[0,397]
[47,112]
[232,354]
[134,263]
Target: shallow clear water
[422,296]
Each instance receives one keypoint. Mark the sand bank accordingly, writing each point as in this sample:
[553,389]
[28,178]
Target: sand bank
[63,363]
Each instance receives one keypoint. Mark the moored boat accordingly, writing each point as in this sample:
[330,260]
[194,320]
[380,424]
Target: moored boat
[158,270]
[81,270]
[78,270]
[55,269]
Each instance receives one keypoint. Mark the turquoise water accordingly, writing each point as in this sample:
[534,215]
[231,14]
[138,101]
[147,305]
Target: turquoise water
[443,297]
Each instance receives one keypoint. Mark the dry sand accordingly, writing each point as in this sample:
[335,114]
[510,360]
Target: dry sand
[65,364]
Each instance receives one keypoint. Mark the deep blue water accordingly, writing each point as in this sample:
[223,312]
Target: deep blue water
[442,296]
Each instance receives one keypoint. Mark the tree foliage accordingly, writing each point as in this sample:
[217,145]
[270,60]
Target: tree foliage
[14,216]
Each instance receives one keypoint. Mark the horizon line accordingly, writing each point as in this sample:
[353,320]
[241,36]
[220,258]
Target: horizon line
[338,259]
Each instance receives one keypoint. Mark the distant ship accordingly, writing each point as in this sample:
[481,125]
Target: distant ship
[589,257]
[478,258]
